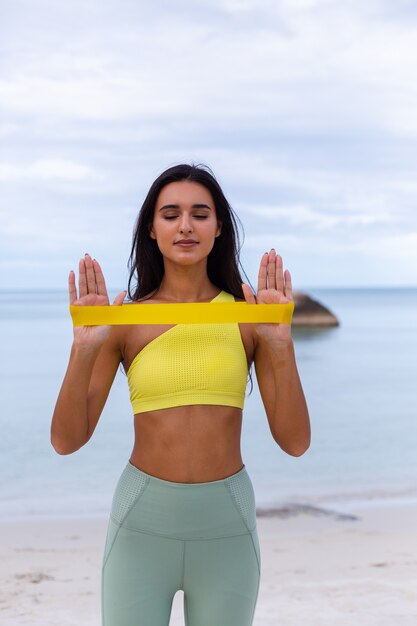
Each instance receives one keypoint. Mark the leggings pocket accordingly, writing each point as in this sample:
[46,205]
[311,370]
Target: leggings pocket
[243,496]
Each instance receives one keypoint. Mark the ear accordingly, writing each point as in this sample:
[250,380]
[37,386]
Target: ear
[151,231]
[219,228]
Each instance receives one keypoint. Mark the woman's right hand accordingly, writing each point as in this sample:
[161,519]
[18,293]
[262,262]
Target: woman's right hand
[92,292]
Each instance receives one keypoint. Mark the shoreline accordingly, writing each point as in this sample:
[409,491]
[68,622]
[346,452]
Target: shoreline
[316,569]
[331,506]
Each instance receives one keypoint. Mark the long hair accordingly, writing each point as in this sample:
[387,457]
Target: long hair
[145,264]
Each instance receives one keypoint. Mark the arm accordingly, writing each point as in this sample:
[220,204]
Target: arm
[275,365]
[95,356]
[84,391]
[282,395]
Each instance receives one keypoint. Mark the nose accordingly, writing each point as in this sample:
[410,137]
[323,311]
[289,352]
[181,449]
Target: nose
[185,223]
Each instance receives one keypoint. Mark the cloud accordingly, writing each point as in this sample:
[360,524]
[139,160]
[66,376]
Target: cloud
[402,246]
[305,67]
[302,214]
[304,109]
[47,169]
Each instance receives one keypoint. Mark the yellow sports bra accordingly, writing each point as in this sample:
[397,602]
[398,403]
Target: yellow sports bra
[190,364]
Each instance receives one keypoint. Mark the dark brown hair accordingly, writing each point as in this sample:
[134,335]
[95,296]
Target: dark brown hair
[146,267]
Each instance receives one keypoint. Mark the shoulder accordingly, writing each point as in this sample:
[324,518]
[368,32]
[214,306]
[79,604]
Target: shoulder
[232,296]
[121,334]
[115,341]
[247,329]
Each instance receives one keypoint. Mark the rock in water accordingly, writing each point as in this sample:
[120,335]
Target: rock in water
[309,312]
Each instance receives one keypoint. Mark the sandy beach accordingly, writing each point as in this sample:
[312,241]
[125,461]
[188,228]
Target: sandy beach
[319,568]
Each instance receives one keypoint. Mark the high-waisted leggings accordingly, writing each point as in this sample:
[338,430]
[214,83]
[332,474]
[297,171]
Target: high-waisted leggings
[164,536]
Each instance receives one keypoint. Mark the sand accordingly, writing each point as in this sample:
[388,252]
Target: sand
[317,569]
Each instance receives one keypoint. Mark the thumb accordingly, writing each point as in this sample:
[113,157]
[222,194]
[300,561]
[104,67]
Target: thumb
[248,294]
[120,297]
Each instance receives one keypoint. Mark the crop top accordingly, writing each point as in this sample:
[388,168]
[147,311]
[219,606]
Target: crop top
[190,364]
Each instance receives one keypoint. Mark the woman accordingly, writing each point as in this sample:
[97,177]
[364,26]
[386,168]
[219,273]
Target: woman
[183,513]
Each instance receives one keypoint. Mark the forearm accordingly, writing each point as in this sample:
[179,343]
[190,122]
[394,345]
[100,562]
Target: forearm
[69,425]
[291,422]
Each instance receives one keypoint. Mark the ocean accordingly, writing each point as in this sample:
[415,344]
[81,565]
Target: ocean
[359,379]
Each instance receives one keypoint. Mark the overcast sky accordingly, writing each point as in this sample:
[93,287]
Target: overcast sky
[306,111]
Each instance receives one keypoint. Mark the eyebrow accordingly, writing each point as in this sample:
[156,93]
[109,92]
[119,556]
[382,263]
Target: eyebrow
[177,206]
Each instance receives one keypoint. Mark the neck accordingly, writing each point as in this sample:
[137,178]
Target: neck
[185,284]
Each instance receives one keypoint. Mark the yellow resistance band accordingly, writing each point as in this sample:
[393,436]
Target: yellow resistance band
[181,313]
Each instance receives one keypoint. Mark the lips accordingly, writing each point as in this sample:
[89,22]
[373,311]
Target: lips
[186,241]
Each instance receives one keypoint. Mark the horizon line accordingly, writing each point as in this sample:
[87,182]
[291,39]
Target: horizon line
[306,288]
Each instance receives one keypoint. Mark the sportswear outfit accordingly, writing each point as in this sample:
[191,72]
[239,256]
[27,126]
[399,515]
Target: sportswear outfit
[165,536]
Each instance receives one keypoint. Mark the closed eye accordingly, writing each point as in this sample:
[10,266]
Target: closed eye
[172,217]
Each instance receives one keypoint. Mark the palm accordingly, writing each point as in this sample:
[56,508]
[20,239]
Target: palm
[92,299]
[92,292]
[271,296]
[274,287]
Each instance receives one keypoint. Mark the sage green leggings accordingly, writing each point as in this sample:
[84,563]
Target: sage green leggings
[164,536]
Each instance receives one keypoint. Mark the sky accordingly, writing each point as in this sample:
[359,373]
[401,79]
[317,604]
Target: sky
[305,110]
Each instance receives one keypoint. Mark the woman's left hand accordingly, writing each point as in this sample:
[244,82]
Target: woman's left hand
[274,287]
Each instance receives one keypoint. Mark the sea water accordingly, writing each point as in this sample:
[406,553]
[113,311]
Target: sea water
[359,379]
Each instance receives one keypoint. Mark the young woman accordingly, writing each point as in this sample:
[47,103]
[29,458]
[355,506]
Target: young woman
[183,513]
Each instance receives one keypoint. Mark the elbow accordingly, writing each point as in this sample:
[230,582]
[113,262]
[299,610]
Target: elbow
[295,448]
[64,448]
[299,450]
[61,449]
[299,441]
[302,445]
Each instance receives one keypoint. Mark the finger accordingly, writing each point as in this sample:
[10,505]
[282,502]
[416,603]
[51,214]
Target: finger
[72,288]
[101,283]
[288,285]
[91,278]
[263,272]
[248,294]
[82,280]
[279,277]
[119,298]
[271,269]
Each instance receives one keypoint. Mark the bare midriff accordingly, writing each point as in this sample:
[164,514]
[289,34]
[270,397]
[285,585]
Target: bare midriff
[189,444]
